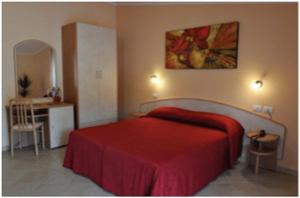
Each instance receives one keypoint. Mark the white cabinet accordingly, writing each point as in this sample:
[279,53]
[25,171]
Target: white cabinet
[61,123]
[90,72]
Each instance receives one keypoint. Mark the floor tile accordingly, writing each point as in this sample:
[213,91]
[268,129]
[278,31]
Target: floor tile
[28,175]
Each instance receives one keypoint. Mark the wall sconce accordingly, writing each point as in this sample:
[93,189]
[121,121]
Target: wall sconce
[154,79]
[257,85]
[157,85]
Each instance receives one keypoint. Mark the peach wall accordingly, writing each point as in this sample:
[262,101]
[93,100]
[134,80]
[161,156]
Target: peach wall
[42,21]
[267,44]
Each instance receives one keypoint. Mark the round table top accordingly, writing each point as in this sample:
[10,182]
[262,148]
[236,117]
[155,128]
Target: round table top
[269,137]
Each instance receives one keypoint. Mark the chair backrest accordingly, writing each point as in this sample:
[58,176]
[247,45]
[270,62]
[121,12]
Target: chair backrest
[21,113]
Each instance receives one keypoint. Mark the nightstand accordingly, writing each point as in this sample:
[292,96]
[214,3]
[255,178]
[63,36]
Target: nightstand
[265,146]
[138,114]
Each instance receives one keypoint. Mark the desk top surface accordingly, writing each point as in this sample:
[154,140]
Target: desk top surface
[49,105]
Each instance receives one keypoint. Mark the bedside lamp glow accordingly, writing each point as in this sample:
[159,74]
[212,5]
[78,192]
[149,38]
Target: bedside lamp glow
[257,85]
[154,79]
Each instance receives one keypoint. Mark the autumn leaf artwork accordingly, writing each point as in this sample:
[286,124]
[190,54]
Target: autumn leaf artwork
[208,47]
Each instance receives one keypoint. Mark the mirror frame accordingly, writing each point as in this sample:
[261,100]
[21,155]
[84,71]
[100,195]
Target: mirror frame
[53,66]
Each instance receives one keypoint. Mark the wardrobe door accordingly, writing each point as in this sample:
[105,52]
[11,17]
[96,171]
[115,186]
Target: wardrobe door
[108,82]
[96,59]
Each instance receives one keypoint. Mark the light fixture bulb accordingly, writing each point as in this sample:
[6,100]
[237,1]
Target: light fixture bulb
[257,84]
[154,79]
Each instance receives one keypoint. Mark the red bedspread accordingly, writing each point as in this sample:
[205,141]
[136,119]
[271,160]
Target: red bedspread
[150,156]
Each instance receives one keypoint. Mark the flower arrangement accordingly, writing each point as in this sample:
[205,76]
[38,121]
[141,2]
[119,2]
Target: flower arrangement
[54,92]
[24,83]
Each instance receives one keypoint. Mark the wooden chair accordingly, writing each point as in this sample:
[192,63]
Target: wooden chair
[22,120]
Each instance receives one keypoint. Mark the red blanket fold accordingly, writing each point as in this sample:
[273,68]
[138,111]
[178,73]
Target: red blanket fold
[151,156]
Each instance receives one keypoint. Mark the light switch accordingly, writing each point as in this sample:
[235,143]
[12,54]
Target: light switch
[98,74]
[155,95]
[257,108]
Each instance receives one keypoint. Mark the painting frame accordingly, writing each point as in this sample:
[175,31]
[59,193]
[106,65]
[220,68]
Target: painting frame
[206,47]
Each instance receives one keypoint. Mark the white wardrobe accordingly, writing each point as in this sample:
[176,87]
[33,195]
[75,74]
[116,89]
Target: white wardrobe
[90,73]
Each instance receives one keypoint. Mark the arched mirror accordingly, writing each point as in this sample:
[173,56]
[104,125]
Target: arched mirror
[35,68]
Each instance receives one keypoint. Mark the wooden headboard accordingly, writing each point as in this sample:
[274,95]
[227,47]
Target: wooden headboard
[249,120]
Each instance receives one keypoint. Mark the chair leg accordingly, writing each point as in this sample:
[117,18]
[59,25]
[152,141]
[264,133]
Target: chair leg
[43,136]
[35,143]
[256,165]
[12,143]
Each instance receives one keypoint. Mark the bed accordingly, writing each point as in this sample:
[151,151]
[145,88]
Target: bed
[168,152]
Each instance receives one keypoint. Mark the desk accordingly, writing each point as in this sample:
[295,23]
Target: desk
[58,119]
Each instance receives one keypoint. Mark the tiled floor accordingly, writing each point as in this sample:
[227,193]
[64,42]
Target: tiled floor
[26,174]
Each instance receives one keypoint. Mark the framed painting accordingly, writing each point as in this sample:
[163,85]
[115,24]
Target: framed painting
[207,47]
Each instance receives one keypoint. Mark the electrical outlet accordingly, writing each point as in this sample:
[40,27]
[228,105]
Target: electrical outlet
[257,108]
[267,110]
[155,95]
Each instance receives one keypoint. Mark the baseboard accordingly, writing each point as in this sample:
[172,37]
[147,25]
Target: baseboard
[285,170]
[27,140]
[7,147]
[279,169]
